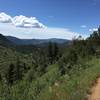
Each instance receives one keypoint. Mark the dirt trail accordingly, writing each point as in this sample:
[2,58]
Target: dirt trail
[95,92]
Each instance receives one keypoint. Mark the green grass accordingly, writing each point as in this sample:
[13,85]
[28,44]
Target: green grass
[75,87]
[51,86]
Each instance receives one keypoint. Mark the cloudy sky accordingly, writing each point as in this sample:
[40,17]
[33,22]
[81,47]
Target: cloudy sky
[49,18]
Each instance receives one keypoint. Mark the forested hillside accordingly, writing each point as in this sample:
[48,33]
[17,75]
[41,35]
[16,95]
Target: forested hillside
[36,41]
[49,72]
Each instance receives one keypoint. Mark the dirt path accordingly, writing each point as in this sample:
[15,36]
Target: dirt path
[95,92]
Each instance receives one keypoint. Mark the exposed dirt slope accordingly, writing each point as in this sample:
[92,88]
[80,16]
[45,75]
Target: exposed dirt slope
[95,92]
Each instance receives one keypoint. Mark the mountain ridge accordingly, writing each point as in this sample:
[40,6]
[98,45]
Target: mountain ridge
[35,41]
[5,42]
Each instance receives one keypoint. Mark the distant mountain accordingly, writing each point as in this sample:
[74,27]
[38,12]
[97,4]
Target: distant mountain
[28,45]
[35,41]
[5,42]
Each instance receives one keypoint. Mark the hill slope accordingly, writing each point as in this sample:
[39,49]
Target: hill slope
[35,41]
[5,42]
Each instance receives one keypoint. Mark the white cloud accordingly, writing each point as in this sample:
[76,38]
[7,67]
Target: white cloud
[83,26]
[37,33]
[27,22]
[93,29]
[4,18]
[21,21]
[30,28]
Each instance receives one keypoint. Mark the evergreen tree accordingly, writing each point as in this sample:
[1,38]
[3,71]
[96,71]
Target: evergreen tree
[19,70]
[50,52]
[11,74]
[55,51]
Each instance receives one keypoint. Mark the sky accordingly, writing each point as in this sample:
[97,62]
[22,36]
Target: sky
[49,18]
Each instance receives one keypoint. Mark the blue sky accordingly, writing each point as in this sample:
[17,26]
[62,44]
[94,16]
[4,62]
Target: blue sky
[67,16]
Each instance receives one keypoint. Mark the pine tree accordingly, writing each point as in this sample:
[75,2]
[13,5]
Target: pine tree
[11,74]
[19,70]
[55,51]
[50,52]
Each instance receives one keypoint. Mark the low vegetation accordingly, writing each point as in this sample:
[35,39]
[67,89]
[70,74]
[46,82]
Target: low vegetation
[51,72]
